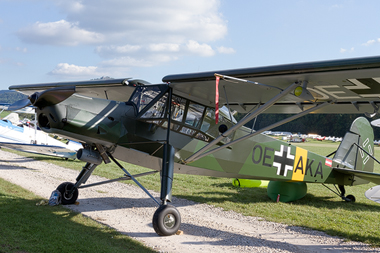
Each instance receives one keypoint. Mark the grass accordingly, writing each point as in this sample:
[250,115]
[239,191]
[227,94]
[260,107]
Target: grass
[25,227]
[320,209]
[4,114]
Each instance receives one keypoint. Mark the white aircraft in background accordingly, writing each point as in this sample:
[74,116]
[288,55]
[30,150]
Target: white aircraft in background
[30,139]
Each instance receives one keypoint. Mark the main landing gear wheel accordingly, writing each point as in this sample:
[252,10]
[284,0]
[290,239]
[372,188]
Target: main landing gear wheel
[350,198]
[166,220]
[67,198]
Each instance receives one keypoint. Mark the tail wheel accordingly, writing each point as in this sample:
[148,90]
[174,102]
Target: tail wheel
[65,189]
[166,220]
[350,198]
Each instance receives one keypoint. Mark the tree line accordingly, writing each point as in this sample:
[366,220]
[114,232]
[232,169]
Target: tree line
[10,96]
[323,124]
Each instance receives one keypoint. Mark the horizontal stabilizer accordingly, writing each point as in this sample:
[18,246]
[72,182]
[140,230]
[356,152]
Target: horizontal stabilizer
[41,149]
[369,176]
[373,194]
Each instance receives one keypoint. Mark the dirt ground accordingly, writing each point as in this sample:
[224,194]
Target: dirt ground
[205,228]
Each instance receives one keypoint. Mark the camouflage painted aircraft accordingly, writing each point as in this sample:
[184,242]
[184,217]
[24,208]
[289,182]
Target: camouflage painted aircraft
[177,126]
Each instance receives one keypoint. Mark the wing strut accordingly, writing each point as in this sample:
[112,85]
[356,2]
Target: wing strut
[258,132]
[243,121]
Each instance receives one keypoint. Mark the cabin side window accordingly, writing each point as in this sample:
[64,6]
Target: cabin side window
[194,115]
[208,124]
[178,108]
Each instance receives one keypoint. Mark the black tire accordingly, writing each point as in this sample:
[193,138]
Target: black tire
[350,198]
[166,220]
[64,189]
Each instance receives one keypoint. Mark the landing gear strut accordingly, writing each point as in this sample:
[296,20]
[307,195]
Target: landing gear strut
[340,191]
[166,219]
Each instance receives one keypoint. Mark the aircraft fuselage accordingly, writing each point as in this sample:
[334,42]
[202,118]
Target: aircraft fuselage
[123,130]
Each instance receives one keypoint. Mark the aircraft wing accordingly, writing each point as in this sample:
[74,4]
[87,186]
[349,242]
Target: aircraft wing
[113,89]
[350,85]
[369,176]
[41,149]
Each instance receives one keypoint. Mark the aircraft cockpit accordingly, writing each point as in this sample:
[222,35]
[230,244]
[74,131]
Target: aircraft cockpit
[187,117]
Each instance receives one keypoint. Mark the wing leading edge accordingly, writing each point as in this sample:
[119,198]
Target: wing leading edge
[113,89]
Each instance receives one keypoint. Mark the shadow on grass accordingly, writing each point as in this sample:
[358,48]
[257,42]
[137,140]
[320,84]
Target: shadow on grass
[30,228]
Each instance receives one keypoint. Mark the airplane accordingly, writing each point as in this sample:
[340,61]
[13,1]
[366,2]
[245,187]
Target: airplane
[320,138]
[185,125]
[30,139]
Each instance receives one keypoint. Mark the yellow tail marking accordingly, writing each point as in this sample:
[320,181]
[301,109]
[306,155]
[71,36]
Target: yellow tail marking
[299,166]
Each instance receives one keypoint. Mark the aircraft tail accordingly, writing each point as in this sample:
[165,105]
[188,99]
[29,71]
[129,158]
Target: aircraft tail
[356,148]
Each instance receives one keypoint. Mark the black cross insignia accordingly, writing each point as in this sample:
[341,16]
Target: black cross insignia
[283,160]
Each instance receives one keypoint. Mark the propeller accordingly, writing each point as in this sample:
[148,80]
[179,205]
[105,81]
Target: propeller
[45,98]
[19,104]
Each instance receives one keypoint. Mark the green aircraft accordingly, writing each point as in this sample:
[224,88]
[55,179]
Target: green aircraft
[184,126]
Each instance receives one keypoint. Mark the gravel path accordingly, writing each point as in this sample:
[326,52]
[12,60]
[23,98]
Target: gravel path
[205,228]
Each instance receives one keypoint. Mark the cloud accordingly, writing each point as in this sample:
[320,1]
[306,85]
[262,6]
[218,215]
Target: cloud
[21,49]
[199,49]
[371,42]
[164,47]
[132,33]
[71,70]
[127,62]
[343,50]
[226,50]
[60,33]
[130,22]
[151,21]
[114,51]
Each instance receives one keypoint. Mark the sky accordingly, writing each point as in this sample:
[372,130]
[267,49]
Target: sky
[72,40]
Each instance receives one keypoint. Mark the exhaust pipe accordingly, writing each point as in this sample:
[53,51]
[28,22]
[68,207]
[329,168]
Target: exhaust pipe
[89,156]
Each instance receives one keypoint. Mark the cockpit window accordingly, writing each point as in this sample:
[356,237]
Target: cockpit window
[157,110]
[144,95]
[187,117]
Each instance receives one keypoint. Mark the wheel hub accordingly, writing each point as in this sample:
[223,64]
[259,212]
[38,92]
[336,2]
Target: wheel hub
[169,220]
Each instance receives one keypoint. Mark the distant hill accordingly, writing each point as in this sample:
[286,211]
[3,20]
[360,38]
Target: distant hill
[10,96]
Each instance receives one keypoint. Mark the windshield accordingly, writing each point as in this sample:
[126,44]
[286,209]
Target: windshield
[144,95]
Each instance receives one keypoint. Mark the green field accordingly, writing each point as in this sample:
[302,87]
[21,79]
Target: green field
[320,209]
[25,227]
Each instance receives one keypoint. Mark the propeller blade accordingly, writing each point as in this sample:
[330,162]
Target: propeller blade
[19,104]
[52,96]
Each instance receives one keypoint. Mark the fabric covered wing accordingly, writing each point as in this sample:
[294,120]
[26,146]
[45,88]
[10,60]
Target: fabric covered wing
[351,85]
